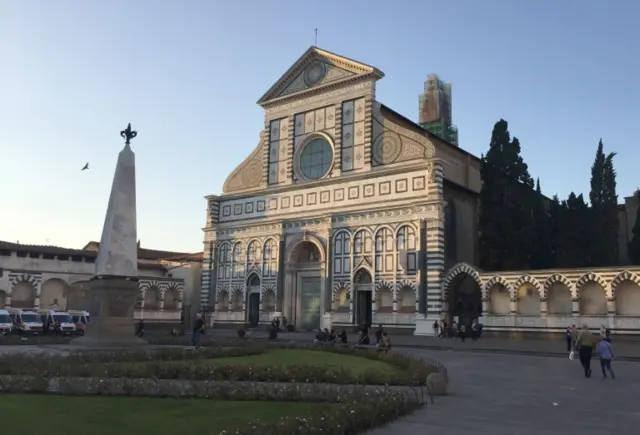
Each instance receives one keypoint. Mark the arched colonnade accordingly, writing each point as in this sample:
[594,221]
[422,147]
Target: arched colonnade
[589,294]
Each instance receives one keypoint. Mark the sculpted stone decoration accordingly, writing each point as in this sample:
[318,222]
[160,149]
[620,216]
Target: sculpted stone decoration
[387,147]
[248,175]
[314,69]
[397,144]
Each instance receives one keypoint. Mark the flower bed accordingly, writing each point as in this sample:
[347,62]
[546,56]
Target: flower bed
[360,408]
[197,365]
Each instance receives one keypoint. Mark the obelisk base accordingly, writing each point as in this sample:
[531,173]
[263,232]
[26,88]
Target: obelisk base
[113,301]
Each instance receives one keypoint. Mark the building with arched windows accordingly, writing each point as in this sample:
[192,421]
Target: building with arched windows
[52,277]
[347,213]
[337,216]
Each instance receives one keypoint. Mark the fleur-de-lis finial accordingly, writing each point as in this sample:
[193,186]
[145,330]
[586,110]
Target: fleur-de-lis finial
[128,134]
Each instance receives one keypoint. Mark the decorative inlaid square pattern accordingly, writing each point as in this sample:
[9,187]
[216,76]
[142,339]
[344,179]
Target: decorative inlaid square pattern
[401,185]
[338,194]
[312,198]
[419,183]
[248,207]
[260,205]
[226,210]
[273,204]
[297,201]
[369,190]
[325,196]
[285,202]
[237,209]
[354,192]
[384,187]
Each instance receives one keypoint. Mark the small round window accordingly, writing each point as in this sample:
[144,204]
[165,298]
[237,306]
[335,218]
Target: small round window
[316,158]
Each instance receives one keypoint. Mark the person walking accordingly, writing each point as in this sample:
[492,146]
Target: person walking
[569,337]
[198,330]
[606,356]
[584,344]
[436,328]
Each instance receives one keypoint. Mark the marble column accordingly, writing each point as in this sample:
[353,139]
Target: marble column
[422,270]
[280,282]
[114,287]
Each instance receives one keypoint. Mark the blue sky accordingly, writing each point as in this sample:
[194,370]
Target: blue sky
[187,75]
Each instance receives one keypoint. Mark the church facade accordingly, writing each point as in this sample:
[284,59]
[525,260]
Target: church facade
[338,215]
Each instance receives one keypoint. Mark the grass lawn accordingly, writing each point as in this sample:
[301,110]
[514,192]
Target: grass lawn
[283,357]
[70,415]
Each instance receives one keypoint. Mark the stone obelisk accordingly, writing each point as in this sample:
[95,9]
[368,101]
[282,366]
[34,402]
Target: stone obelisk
[114,287]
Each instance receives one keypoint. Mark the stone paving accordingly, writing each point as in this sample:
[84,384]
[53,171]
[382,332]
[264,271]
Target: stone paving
[525,395]
[623,350]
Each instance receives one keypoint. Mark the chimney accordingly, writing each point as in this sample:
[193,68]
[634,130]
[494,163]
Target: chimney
[138,243]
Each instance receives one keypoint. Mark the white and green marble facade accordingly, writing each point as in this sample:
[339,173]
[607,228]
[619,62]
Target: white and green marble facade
[307,248]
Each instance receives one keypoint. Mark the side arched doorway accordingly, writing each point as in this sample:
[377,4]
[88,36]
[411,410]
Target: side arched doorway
[464,300]
[304,287]
[253,300]
[363,286]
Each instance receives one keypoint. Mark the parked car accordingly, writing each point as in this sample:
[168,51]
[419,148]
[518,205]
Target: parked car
[6,323]
[58,322]
[80,319]
[27,322]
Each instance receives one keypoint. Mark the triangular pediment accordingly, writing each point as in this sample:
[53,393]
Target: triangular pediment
[315,69]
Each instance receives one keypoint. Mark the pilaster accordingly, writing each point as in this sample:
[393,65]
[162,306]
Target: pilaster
[280,282]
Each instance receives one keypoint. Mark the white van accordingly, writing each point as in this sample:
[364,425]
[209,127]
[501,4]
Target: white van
[26,321]
[81,319]
[6,323]
[58,321]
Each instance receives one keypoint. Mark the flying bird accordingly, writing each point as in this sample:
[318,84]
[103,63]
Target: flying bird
[85,167]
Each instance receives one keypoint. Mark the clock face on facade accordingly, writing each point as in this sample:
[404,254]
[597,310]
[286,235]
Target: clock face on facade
[314,73]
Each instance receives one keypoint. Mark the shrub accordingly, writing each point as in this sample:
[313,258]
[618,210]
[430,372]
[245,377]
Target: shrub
[155,365]
[352,417]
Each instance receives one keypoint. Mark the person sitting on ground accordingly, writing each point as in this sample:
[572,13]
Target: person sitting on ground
[385,343]
[326,335]
[378,334]
[343,336]
[319,337]
[332,337]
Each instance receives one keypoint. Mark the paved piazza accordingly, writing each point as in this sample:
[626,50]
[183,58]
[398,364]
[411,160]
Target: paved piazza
[514,394]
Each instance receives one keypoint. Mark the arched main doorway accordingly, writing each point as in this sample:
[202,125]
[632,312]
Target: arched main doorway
[305,273]
[464,300]
[253,300]
[363,286]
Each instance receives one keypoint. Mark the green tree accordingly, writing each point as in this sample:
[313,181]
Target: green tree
[556,210]
[542,256]
[603,245]
[634,245]
[506,199]
[609,212]
[573,233]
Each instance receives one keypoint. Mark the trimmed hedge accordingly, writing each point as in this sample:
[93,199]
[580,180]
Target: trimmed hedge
[119,365]
[360,408]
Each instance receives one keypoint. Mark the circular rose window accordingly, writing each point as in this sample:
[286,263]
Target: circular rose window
[316,158]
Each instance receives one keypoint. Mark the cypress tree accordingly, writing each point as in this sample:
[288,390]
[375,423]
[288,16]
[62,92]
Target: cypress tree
[542,257]
[634,245]
[609,214]
[596,198]
[574,233]
[506,199]
[604,224]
